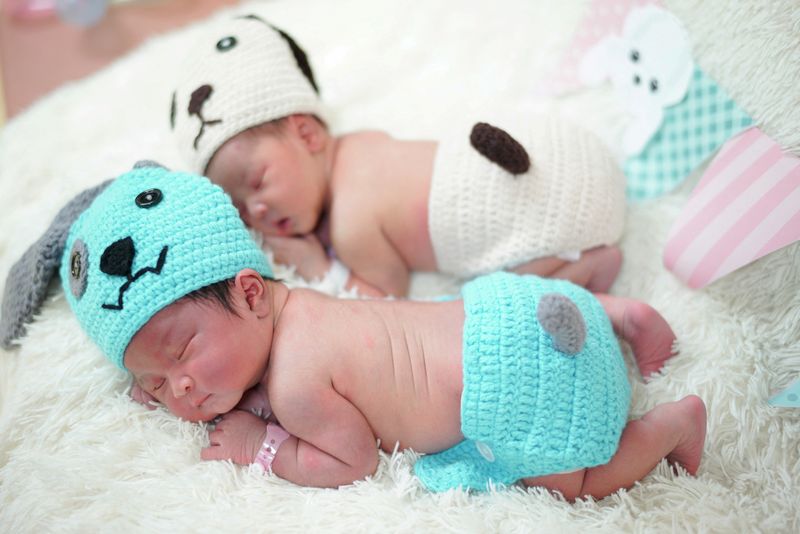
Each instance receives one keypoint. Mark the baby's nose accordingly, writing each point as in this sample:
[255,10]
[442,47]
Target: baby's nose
[182,386]
[257,210]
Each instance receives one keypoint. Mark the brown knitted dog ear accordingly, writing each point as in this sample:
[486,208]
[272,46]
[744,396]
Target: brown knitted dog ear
[499,147]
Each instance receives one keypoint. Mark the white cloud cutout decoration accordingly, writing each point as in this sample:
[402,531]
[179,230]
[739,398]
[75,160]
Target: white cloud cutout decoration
[650,66]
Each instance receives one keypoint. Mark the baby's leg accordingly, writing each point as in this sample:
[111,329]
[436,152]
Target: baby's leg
[643,328]
[675,431]
[596,269]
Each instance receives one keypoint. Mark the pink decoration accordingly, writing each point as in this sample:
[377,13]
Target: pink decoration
[746,205]
[602,18]
[30,9]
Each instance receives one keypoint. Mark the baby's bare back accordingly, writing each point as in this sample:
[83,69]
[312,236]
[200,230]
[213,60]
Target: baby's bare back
[383,183]
[397,362]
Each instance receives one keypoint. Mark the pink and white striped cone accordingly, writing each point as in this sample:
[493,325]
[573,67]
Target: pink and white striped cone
[746,205]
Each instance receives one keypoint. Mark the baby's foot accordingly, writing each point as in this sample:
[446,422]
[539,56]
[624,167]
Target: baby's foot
[650,337]
[690,414]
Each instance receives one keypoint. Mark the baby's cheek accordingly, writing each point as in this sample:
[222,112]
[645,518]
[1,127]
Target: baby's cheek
[216,374]
[224,372]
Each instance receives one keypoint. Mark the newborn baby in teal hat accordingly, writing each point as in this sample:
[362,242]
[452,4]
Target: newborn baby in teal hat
[520,379]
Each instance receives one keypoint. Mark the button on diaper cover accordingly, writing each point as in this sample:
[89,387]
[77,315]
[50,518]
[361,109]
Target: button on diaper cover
[485,451]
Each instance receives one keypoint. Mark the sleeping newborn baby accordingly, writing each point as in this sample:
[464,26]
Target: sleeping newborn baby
[546,198]
[521,378]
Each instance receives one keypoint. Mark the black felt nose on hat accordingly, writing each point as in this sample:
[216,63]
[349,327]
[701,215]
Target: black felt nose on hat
[117,258]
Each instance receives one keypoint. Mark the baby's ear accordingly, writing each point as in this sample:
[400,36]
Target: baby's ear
[254,288]
[310,131]
[26,285]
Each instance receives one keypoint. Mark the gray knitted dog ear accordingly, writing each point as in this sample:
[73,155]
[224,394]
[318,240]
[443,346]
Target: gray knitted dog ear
[562,319]
[148,163]
[26,285]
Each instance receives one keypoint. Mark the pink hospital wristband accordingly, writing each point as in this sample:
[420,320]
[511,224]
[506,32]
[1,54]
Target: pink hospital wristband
[272,441]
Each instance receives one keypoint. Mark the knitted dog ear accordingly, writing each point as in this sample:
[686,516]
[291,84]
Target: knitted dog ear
[27,281]
[562,319]
[298,53]
[499,147]
[143,163]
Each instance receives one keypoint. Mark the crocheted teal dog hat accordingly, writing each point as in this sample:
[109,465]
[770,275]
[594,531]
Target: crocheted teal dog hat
[151,237]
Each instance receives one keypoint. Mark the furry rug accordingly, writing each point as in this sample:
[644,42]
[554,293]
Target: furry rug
[77,455]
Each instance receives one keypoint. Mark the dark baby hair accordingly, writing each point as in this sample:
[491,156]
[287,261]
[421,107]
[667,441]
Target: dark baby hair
[218,293]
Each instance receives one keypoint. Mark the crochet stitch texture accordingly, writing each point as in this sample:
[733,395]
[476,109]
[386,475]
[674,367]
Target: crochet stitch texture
[241,72]
[528,409]
[150,238]
[482,218]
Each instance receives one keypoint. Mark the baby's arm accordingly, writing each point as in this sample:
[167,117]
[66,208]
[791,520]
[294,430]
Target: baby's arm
[304,252]
[308,256]
[376,268]
[336,445]
[339,446]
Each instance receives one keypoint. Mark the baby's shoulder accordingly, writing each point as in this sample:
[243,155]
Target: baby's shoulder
[298,358]
[358,152]
[363,138]
[356,209]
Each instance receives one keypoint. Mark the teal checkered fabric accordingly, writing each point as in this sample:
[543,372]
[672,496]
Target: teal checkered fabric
[691,131]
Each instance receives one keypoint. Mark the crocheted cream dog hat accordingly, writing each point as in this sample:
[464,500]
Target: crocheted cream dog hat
[241,73]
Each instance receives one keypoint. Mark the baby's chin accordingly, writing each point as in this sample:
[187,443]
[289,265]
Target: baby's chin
[199,417]
[208,418]
[203,415]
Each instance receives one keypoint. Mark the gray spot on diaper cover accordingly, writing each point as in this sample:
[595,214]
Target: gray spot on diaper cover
[562,319]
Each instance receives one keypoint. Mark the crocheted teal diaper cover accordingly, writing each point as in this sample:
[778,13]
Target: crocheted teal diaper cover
[527,408]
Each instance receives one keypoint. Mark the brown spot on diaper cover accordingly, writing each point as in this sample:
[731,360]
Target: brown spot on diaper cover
[499,147]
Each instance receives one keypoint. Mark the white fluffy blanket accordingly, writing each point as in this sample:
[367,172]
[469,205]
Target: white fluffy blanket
[77,455]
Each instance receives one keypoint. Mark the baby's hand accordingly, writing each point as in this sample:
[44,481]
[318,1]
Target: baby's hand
[142,397]
[305,252]
[256,402]
[237,437]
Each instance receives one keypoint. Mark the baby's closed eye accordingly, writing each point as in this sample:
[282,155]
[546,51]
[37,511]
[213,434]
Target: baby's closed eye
[255,179]
[254,183]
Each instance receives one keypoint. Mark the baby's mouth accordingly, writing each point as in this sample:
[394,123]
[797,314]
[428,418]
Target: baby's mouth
[203,401]
[283,225]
